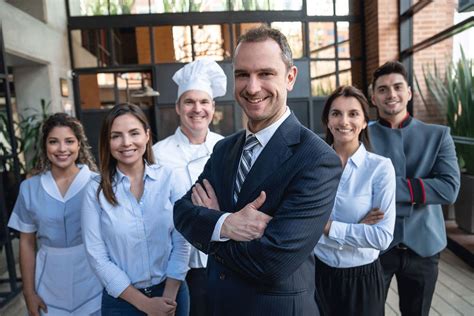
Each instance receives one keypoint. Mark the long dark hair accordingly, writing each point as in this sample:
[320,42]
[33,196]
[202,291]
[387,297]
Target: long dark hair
[64,120]
[347,91]
[108,164]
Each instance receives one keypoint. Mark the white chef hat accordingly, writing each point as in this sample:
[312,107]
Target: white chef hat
[203,75]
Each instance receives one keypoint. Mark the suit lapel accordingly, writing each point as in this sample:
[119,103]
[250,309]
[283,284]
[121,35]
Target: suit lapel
[275,153]
[232,159]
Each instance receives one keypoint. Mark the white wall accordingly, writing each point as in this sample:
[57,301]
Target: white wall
[43,43]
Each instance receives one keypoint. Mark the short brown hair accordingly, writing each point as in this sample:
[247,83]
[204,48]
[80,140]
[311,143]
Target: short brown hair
[347,91]
[390,67]
[262,33]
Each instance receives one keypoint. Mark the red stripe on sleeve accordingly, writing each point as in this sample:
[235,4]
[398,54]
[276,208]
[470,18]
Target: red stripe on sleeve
[411,191]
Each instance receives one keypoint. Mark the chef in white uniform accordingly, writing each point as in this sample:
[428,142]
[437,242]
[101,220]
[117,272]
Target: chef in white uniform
[190,147]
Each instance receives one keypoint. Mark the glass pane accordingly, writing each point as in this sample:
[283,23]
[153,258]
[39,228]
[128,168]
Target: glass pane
[92,7]
[209,5]
[250,5]
[294,35]
[170,6]
[223,120]
[320,7]
[89,91]
[321,40]
[323,79]
[343,48]
[345,75]
[290,5]
[182,43]
[135,87]
[166,120]
[83,46]
[342,7]
[126,46]
[208,41]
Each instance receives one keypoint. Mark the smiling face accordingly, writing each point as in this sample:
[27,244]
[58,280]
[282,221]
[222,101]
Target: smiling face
[346,120]
[391,95]
[195,109]
[62,147]
[262,82]
[128,141]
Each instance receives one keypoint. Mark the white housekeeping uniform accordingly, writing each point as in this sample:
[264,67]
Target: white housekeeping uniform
[177,152]
[63,277]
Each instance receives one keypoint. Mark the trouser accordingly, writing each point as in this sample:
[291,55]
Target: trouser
[197,283]
[416,278]
[112,306]
[350,291]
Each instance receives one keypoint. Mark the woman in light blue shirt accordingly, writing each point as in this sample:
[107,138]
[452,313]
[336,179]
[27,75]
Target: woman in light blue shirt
[58,280]
[127,216]
[349,278]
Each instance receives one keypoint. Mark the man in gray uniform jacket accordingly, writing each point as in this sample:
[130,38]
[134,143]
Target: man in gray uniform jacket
[427,176]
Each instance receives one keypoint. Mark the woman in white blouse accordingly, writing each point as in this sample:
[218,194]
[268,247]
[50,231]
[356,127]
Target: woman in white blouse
[127,217]
[349,278]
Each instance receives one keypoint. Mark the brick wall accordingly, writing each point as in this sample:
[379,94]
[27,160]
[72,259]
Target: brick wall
[381,33]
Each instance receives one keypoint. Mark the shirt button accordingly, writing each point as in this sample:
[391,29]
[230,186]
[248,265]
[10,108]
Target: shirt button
[222,276]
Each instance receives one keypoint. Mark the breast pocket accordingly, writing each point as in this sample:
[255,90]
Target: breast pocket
[351,208]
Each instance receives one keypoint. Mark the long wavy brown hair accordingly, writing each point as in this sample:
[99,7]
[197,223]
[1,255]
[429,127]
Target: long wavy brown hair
[108,164]
[64,120]
[347,91]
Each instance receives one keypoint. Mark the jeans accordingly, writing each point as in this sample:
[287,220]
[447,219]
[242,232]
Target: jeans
[112,306]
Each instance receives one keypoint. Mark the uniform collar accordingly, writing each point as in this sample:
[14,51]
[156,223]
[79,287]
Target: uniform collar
[404,123]
[80,180]
[183,139]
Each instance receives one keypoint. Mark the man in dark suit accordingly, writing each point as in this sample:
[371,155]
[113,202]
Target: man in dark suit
[274,188]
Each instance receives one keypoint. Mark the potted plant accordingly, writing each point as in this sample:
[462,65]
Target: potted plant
[454,93]
[27,132]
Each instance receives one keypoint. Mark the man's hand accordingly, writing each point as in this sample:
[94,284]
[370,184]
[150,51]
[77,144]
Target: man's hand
[374,216]
[205,196]
[248,223]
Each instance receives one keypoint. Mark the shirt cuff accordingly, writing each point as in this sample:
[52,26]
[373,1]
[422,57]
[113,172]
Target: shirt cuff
[216,234]
[419,194]
[117,286]
[338,232]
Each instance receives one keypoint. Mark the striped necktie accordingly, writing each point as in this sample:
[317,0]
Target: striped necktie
[245,164]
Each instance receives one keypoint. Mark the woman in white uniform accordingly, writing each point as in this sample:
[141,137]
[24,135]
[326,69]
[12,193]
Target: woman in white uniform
[349,278]
[127,217]
[58,280]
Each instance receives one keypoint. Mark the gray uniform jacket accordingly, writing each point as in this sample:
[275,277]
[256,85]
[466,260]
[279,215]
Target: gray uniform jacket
[427,176]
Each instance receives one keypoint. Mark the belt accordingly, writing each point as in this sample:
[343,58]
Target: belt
[401,247]
[148,291]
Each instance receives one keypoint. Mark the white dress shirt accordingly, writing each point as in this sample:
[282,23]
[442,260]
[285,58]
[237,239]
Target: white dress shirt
[176,152]
[368,181]
[135,242]
[263,137]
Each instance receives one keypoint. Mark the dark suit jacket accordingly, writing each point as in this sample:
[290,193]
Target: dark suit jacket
[273,275]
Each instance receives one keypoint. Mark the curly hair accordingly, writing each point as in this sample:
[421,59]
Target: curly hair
[63,120]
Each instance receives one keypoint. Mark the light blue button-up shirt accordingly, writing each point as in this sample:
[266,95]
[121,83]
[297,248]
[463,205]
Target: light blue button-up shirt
[135,242]
[368,181]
